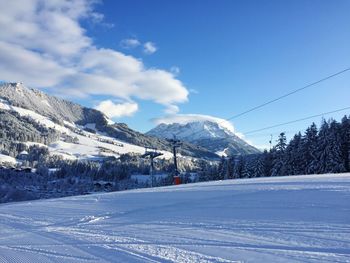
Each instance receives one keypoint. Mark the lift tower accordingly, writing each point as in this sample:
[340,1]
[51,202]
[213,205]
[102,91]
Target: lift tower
[175,143]
[152,154]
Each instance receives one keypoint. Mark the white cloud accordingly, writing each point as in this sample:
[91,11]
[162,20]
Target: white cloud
[43,44]
[113,110]
[129,43]
[194,91]
[160,86]
[108,72]
[48,27]
[175,70]
[171,109]
[23,65]
[186,118]
[149,48]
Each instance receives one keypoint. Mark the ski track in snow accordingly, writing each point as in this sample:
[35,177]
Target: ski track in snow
[280,219]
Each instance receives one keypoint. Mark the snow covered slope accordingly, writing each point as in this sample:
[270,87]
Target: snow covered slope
[87,144]
[208,134]
[89,126]
[280,219]
[17,94]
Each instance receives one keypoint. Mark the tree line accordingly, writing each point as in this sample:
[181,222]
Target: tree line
[316,151]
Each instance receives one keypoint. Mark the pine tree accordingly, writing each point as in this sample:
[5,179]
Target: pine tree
[248,167]
[279,164]
[281,142]
[259,167]
[230,167]
[293,156]
[345,142]
[309,149]
[222,169]
[238,167]
[329,148]
[335,162]
[321,149]
[268,162]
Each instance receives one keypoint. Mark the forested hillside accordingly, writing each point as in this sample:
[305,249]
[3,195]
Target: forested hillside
[317,151]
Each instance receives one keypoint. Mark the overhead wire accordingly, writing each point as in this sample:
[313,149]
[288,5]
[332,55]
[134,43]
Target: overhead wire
[297,120]
[214,141]
[288,94]
[276,99]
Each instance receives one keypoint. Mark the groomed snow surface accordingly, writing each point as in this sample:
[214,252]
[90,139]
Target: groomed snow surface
[280,219]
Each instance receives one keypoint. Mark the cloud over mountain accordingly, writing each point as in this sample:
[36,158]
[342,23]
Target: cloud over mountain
[187,118]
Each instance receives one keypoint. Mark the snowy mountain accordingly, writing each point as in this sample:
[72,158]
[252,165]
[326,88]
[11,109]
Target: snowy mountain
[17,94]
[208,134]
[70,130]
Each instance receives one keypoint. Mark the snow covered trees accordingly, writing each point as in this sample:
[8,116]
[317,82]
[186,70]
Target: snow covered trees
[326,150]
[345,142]
[329,148]
[310,150]
[323,150]
[279,160]
[14,127]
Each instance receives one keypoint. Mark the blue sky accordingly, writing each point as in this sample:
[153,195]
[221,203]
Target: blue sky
[216,58]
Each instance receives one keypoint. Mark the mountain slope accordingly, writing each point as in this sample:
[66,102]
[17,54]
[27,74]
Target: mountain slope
[207,134]
[275,219]
[91,127]
[17,94]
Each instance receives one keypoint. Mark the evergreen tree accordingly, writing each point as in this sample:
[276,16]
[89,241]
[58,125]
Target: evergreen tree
[267,160]
[230,168]
[309,150]
[281,142]
[329,148]
[335,161]
[345,142]
[259,167]
[294,157]
[279,163]
[222,169]
[248,167]
[238,167]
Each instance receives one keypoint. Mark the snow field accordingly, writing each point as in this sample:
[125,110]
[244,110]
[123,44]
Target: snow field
[279,219]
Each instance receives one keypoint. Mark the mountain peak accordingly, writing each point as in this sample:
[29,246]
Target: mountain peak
[17,86]
[194,130]
[209,134]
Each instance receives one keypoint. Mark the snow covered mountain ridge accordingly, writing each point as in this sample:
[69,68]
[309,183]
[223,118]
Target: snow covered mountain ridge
[190,131]
[17,94]
[29,115]
[210,134]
